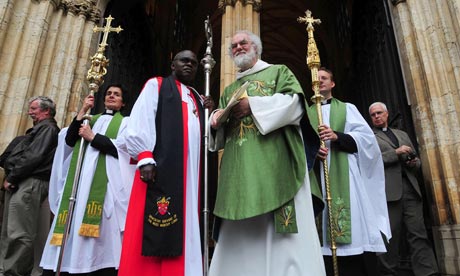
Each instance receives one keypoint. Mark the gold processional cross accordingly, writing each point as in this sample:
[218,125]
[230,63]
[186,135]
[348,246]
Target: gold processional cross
[99,62]
[106,30]
[313,60]
[313,63]
[308,19]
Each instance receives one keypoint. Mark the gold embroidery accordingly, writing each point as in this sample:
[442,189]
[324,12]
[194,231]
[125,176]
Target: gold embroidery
[94,209]
[341,216]
[240,129]
[287,216]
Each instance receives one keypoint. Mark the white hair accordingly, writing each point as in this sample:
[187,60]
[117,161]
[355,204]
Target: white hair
[255,40]
[384,106]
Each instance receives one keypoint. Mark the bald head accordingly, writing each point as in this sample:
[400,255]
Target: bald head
[184,66]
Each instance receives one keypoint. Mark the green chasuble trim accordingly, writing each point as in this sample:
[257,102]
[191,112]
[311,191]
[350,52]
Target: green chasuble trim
[260,173]
[338,174]
[93,212]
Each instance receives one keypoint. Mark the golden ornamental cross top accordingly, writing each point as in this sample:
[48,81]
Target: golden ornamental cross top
[106,30]
[99,62]
[313,60]
[309,20]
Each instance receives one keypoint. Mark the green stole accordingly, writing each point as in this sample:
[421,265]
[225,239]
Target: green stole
[93,213]
[338,174]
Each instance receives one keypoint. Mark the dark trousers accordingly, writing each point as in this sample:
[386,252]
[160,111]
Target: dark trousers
[408,213]
[101,272]
[357,265]
[21,220]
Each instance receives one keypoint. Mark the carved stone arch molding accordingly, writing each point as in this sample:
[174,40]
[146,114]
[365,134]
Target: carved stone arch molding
[86,8]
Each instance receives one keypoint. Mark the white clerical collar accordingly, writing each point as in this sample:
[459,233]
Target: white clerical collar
[328,101]
[109,112]
[259,66]
[384,129]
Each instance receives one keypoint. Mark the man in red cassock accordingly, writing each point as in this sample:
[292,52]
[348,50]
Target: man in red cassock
[162,235]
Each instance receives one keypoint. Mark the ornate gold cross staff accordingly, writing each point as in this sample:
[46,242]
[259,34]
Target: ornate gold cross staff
[313,63]
[106,30]
[99,62]
[95,77]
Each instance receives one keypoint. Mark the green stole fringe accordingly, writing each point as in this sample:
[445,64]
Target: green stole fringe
[338,174]
[93,213]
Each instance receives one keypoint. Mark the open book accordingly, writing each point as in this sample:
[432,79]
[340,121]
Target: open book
[239,94]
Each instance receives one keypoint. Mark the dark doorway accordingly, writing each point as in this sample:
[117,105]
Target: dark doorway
[355,40]
[153,32]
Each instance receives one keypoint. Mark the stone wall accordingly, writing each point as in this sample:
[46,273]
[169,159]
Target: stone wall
[44,50]
[428,34]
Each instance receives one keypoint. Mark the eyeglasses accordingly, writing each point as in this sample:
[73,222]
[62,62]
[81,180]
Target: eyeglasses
[242,43]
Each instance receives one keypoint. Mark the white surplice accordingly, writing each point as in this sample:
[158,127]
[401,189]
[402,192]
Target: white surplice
[86,254]
[369,214]
[141,137]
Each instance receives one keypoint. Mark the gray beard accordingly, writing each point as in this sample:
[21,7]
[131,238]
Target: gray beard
[245,61]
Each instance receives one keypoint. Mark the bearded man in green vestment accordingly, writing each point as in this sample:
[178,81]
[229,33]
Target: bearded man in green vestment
[264,204]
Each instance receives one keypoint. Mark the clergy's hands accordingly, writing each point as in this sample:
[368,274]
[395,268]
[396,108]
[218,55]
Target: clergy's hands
[208,102]
[326,133]
[148,173]
[322,153]
[407,155]
[404,150]
[215,117]
[88,103]
[241,109]
[86,132]
[412,163]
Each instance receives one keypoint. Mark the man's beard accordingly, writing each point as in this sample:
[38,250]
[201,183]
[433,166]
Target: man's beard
[245,60]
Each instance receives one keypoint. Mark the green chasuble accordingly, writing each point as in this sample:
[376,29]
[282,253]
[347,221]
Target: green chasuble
[260,173]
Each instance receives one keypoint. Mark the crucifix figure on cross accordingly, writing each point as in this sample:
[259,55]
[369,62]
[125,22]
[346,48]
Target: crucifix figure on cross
[106,30]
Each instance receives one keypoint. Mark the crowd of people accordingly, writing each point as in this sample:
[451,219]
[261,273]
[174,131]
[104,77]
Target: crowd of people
[126,192]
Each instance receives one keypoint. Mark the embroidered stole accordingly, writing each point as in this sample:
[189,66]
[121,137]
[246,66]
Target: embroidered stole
[164,218]
[93,213]
[338,174]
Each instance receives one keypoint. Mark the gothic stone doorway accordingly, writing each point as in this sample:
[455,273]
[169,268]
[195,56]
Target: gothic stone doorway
[355,39]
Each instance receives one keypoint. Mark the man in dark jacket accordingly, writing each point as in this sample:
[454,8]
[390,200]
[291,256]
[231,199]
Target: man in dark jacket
[3,158]
[404,197]
[27,170]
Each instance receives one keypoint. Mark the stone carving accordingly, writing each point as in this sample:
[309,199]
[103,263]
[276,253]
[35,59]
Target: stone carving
[257,4]
[86,8]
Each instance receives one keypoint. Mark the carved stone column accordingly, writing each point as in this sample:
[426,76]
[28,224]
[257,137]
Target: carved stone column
[237,15]
[44,50]
[427,33]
